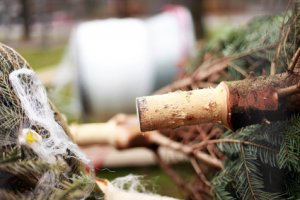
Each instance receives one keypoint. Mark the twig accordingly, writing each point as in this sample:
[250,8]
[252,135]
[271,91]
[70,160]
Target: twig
[219,153]
[295,60]
[203,144]
[204,130]
[213,133]
[208,68]
[204,72]
[203,84]
[178,180]
[238,69]
[222,63]
[294,89]
[182,83]
[210,149]
[199,172]
[161,140]
[274,62]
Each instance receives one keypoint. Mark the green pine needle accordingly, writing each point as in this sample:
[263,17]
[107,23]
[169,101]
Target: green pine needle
[273,146]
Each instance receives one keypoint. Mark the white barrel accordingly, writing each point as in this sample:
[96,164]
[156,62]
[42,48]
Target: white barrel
[114,65]
[172,42]
[118,60]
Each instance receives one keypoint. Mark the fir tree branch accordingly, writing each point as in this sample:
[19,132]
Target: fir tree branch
[203,144]
[9,195]
[221,182]
[246,169]
[74,188]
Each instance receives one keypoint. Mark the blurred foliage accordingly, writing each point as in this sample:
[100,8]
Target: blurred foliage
[42,58]
[258,39]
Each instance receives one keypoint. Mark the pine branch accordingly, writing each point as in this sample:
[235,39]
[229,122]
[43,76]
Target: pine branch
[239,142]
[8,195]
[221,184]
[275,146]
[12,154]
[31,169]
[291,185]
[250,184]
[75,188]
[289,155]
[247,171]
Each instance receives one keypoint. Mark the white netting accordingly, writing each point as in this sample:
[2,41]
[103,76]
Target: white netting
[52,143]
[130,187]
[35,103]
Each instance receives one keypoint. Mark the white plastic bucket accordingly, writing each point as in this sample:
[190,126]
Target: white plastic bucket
[118,60]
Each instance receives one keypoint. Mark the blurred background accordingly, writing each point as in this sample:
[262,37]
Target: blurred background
[96,56]
[53,19]
[163,39]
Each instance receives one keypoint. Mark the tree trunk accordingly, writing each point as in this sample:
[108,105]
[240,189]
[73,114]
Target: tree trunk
[234,104]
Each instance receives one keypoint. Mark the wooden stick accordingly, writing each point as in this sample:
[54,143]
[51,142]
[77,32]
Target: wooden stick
[295,60]
[181,182]
[157,138]
[199,172]
[294,89]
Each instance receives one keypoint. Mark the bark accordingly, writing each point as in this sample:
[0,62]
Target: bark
[234,104]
